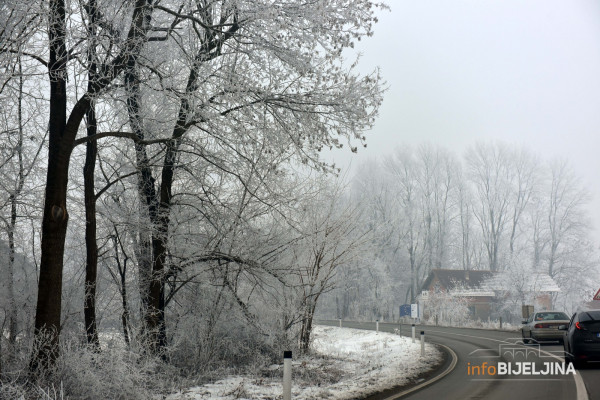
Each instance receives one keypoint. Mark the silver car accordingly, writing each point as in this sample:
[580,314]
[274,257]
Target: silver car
[544,325]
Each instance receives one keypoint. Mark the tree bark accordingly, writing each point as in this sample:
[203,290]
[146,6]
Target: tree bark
[91,266]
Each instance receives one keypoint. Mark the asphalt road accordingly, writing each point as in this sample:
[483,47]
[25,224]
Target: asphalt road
[476,346]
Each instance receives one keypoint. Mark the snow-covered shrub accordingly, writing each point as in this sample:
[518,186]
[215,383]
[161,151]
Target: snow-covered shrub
[12,390]
[198,348]
[210,333]
[449,307]
[110,374]
[81,373]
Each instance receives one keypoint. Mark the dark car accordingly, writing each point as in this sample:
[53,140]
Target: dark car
[582,338]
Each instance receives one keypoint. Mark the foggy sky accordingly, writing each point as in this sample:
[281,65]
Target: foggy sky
[460,71]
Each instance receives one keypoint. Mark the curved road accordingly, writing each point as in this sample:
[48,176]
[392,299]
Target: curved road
[477,346]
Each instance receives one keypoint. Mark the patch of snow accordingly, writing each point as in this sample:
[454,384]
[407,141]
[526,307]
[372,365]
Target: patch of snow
[346,364]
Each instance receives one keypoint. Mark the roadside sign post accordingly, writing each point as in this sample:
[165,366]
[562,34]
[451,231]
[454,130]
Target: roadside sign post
[413,333]
[526,311]
[287,375]
[404,310]
[414,311]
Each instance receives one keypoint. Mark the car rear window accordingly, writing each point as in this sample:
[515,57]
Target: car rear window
[589,316]
[551,316]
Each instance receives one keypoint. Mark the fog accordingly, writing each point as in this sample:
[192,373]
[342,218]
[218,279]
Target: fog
[459,72]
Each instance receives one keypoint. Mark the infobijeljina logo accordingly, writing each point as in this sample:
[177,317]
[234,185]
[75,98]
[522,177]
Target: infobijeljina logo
[516,359]
[520,368]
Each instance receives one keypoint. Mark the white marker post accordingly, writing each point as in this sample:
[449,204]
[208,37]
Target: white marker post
[340,322]
[287,375]
[377,326]
[413,332]
[422,343]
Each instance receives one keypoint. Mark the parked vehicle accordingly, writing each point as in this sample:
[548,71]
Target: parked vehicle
[544,325]
[582,338]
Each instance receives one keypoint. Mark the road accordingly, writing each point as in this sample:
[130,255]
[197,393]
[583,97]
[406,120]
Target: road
[474,347]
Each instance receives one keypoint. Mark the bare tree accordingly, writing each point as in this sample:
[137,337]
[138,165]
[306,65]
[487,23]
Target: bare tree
[524,177]
[438,183]
[20,153]
[332,237]
[488,167]
[404,173]
[566,219]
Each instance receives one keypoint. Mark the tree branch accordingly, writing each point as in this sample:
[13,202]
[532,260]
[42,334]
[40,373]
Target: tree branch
[34,56]
[128,135]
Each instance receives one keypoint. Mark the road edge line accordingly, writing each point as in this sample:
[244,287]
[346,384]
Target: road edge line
[432,380]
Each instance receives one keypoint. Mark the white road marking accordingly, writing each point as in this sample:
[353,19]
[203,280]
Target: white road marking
[579,384]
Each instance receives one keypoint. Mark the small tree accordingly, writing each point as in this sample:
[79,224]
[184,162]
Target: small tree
[331,237]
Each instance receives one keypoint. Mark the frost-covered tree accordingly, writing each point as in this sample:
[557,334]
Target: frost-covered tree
[236,85]
[331,237]
[489,171]
[566,198]
[191,83]
[20,152]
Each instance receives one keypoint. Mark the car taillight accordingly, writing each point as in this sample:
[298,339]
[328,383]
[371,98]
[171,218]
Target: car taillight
[537,326]
[578,326]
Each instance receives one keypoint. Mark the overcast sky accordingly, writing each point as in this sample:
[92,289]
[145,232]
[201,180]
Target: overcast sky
[459,71]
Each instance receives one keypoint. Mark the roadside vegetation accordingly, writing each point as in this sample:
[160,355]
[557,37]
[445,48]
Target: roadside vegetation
[166,214]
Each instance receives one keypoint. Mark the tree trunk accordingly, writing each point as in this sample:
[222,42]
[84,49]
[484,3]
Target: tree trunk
[62,133]
[306,328]
[149,210]
[91,266]
[122,270]
[12,304]
[155,315]
[125,315]
[54,222]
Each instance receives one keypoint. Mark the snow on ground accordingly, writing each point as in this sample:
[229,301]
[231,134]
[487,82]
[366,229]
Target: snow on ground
[346,364]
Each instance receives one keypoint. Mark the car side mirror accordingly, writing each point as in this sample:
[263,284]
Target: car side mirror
[524,322]
[563,327]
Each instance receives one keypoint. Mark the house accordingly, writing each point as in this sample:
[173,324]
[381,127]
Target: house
[462,283]
[525,287]
[486,293]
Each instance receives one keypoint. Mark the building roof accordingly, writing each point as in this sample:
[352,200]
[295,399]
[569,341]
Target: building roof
[450,278]
[485,282]
[532,283]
